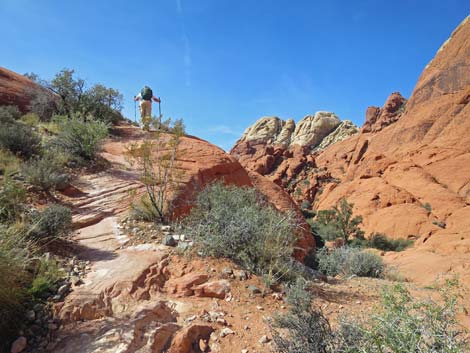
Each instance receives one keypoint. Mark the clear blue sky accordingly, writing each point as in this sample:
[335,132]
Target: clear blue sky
[222,64]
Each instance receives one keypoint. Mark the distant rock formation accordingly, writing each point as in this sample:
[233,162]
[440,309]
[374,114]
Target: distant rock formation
[309,132]
[282,150]
[345,130]
[379,118]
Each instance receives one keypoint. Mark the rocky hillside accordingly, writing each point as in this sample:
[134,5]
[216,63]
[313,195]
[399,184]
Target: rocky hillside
[16,89]
[281,149]
[407,172]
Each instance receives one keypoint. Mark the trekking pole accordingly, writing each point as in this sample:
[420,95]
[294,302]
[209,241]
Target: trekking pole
[135,114]
[159,113]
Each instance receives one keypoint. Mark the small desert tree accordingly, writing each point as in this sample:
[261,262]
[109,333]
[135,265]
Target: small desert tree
[339,222]
[74,97]
[157,159]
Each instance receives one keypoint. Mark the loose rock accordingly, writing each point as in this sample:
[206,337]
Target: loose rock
[226,331]
[19,345]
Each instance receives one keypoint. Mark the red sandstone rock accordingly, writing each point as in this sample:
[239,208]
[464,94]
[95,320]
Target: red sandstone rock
[187,340]
[377,118]
[391,172]
[184,286]
[18,90]
[19,345]
[215,289]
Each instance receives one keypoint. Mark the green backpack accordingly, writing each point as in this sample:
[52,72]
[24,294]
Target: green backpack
[146,93]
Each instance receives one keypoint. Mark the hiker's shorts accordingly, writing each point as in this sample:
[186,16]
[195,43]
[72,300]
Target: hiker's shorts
[145,108]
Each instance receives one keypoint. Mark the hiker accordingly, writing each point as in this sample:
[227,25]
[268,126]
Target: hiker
[145,97]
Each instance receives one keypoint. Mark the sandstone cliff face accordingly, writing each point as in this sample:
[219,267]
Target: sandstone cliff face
[402,160]
[16,89]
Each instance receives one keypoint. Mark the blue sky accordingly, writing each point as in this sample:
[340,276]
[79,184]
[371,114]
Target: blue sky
[222,64]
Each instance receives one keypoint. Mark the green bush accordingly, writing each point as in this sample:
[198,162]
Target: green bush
[404,324]
[52,222]
[8,114]
[382,242]
[350,261]
[427,206]
[79,138]
[338,222]
[12,199]
[308,330]
[46,173]
[30,119]
[14,279]
[9,163]
[48,273]
[20,139]
[399,324]
[235,223]
[143,210]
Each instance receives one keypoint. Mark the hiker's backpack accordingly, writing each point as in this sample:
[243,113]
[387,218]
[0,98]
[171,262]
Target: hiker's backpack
[146,93]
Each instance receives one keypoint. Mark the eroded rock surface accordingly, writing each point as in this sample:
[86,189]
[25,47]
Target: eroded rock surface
[132,298]
[379,118]
[407,157]
[311,130]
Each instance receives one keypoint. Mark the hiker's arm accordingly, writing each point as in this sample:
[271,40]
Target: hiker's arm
[137,98]
[156,99]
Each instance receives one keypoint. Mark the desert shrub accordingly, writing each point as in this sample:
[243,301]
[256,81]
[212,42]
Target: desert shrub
[30,119]
[156,159]
[338,222]
[46,173]
[305,204]
[382,242]
[302,328]
[9,163]
[79,138]
[143,210]
[400,323]
[350,261]
[19,139]
[427,206]
[12,199]
[52,222]
[235,223]
[13,282]
[8,114]
[403,323]
[47,274]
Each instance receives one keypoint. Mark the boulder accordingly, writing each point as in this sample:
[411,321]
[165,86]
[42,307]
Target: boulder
[184,286]
[19,345]
[215,289]
[187,340]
